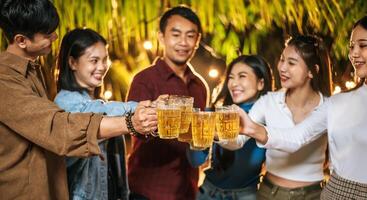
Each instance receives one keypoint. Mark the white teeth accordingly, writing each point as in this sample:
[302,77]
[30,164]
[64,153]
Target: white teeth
[359,63]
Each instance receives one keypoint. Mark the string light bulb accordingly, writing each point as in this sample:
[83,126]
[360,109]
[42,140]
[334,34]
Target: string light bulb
[107,94]
[337,89]
[213,73]
[148,45]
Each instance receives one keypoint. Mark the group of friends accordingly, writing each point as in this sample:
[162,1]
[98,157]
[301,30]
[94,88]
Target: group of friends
[71,147]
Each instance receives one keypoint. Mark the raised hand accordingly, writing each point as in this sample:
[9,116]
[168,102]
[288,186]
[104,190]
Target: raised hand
[250,128]
[145,118]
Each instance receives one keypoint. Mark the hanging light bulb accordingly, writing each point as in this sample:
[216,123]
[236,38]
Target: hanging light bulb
[107,94]
[148,45]
[213,73]
[350,84]
[337,89]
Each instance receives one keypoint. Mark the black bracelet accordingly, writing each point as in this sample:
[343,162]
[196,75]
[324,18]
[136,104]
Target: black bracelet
[129,125]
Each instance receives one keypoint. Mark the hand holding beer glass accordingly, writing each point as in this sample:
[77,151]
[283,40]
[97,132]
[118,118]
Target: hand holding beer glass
[174,116]
[228,122]
[169,119]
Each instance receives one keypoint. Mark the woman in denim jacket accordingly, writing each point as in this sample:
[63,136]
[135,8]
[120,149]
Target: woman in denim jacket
[83,63]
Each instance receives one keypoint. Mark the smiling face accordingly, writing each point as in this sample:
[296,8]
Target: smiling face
[90,68]
[293,70]
[180,40]
[358,51]
[243,84]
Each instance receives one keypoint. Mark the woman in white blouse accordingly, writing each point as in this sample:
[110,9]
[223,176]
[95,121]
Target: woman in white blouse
[344,116]
[304,69]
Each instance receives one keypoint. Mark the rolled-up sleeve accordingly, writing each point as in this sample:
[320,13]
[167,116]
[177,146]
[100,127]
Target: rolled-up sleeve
[76,131]
[40,121]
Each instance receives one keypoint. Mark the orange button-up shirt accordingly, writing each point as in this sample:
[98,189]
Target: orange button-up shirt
[35,134]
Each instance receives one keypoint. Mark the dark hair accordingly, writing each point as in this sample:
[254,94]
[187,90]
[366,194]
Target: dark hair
[182,11]
[363,23]
[74,45]
[313,52]
[27,17]
[262,71]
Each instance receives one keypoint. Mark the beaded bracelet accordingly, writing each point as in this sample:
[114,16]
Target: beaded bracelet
[129,125]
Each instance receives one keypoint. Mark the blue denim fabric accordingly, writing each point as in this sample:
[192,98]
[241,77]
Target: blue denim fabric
[208,191]
[87,177]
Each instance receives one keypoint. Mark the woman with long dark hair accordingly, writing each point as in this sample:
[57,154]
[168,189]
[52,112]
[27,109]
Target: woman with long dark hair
[235,174]
[304,69]
[83,62]
[344,116]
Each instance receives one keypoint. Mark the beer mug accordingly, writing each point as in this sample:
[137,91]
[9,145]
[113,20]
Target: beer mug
[186,106]
[227,123]
[169,119]
[203,128]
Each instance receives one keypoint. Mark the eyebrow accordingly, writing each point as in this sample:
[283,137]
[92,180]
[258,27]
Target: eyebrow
[95,57]
[191,31]
[173,29]
[293,59]
[239,73]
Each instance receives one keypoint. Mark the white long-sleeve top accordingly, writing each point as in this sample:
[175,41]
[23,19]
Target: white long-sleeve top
[305,164]
[345,117]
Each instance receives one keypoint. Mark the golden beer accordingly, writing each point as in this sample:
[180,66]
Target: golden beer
[169,121]
[186,104]
[203,127]
[227,125]
[186,117]
[185,137]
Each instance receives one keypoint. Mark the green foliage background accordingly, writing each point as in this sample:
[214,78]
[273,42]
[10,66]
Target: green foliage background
[230,27]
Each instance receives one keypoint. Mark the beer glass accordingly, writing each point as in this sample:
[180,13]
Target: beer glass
[169,120]
[227,123]
[203,127]
[186,106]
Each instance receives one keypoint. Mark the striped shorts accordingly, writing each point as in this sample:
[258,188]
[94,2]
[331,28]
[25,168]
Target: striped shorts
[341,188]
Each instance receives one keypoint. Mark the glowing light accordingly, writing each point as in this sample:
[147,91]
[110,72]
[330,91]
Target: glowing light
[337,89]
[114,4]
[148,45]
[350,84]
[213,73]
[107,94]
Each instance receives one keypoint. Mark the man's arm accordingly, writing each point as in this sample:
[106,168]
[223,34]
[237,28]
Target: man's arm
[144,121]
[197,158]
[41,122]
